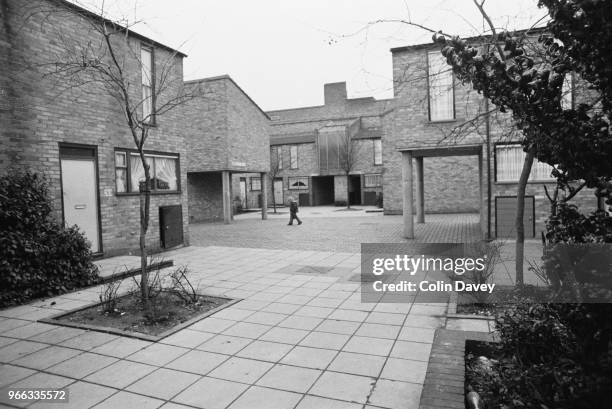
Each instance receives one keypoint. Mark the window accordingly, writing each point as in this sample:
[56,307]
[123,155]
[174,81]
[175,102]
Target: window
[378,151]
[330,145]
[293,157]
[255,183]
[277,154]
[121,172]
[146,64]
[298,183]
[567,92]
[372,180]
[441,92]
[129,172]
[509,163]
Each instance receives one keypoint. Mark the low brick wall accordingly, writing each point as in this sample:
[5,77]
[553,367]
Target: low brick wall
[444,386]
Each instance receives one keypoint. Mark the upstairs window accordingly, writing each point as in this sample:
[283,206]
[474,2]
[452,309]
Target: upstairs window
[377,151]
[330,147]
[509,164]
[293,157]
[146,65]
[441,90]
[279,157]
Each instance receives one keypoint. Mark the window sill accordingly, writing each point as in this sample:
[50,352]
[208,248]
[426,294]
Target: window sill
[528,182]
[173,192]
[442,121]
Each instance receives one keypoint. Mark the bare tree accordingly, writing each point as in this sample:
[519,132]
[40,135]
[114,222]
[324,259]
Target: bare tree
[275,169]
[348,151]
[108,61]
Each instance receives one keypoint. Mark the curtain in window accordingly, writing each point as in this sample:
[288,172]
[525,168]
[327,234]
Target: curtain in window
[165,174]
[441,98]
[120,180]
[137,172]
[510,159]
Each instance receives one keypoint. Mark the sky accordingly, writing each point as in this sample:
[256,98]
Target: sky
[281,52]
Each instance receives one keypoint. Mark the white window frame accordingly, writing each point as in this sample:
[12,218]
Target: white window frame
[367,180]
[279,157]
[440,88]
[293,157]
[130,155]
[147,83]
[378,157]
[509,159]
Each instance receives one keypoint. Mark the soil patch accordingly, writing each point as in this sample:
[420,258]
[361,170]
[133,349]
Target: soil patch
[171,313]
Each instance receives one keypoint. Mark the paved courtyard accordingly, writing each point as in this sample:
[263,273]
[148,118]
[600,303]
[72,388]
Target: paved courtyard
[295,341]
[332,229]
[300,338]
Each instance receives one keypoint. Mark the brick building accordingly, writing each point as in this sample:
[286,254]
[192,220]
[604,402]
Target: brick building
[476,169]
[78,136]
[227,137]
[308,145]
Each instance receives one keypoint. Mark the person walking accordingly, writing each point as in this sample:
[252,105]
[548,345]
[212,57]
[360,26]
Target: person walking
[293,210]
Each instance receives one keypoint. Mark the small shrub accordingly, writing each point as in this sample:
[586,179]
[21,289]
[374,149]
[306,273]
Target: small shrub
[108,296]
[38,257]
[490,251]
[182,287]
[554,356]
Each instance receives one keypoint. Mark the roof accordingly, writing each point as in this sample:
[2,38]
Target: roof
[91,14]
[534,30]
[228,78]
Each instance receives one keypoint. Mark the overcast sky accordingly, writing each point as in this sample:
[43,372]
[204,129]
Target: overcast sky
[281,52]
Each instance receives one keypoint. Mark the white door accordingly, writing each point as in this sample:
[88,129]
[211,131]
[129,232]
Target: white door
[79,189]
[278,191]
[243,194]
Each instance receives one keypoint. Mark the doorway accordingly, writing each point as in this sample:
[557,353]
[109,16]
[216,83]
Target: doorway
[278,192]
[243,193]
[322,190]
[79,181]
[355,189]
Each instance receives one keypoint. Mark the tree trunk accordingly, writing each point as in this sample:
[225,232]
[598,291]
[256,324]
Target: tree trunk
[348,191]
[145,204]
[273,195]
[520,212]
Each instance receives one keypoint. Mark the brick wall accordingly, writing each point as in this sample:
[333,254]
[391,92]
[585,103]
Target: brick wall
[43,112]
[449,181]
[224,128]
[205,197]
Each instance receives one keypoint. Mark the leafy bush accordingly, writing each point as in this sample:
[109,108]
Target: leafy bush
[568,225]
[38,257]
[554,356]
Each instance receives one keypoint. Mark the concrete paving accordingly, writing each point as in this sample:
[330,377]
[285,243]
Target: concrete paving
[300,338]
[295,341]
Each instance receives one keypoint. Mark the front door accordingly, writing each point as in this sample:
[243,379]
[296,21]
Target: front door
[278,191]
[80,197]
[243,193]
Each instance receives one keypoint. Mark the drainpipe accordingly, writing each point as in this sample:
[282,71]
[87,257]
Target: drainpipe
[488,135]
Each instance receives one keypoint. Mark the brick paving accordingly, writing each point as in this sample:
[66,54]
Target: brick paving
[334,233]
